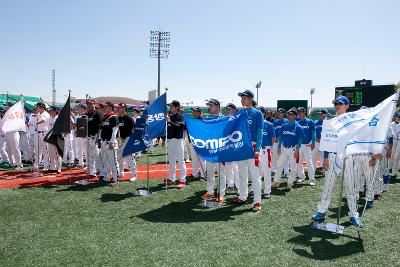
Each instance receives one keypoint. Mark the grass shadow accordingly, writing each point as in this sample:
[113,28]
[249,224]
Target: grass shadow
[321,247]
[189,211]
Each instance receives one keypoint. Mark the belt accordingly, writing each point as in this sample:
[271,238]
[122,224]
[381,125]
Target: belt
[289,146]
[40,131]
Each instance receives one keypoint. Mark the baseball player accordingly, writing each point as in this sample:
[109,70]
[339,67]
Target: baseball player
[305,151]
[175,128]
[278,123]
[268,116]
[266,153]
[198,164]
[396,149]
[80,141]
[290,141]
[54,157]
[3,144]
[322,115]
[42,127]
[109,145]
[126,126]
[250,166]
[341,104]
[214,167]
[95,117]
[232,169]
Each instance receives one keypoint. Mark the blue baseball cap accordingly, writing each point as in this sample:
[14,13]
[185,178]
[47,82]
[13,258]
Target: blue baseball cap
[397,114]
[323,111]
[341,99]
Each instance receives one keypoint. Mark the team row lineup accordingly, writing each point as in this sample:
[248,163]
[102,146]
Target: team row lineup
[281,146]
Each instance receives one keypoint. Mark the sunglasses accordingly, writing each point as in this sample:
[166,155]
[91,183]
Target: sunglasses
[338,104]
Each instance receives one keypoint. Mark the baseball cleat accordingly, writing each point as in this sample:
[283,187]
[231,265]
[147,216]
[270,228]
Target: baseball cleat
[133,179]
[356,221]
[169,182]
[370,204]
[181,185]
[318,216]
[220,199]
[256,207]
[267,195]
[207,196]
[238,201]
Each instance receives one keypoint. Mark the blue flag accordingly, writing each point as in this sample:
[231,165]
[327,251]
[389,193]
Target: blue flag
[156,113]
[224,139]
[139,140]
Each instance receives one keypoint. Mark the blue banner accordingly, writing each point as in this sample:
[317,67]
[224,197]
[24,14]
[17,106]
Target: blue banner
[224,139]
[156,113]
[138,141]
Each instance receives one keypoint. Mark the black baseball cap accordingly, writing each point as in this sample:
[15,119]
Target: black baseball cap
[397,114]
[323,111]
[41,104]
[81,105]
[213,101]
[246,93]
[301,109]
[196,108]
[292,111]
[231,105]
[175,103]
[54,108]
[262,109]
[281,110]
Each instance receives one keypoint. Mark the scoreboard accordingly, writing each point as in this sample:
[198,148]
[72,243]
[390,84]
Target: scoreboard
[365,94]
[288,104]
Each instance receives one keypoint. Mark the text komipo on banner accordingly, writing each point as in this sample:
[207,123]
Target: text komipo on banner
[221,140]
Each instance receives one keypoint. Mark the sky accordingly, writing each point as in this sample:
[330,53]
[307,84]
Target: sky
[217,48]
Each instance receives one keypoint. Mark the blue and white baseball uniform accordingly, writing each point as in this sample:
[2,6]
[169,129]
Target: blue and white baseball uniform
[316,152]
[290,139]
[305,152]
[278,123]
[266,155]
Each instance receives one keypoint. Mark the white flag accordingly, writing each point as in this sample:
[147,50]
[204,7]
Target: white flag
[363,131]
[14,119]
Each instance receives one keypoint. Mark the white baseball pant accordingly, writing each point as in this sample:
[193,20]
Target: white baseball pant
[40,151]
[286,156]
[68,150]
[13,149]
[130,159]
[54,158]
[305,153]
[198,164]
[175,154]
[109,161]
[395,157]
[349,180]
[247,167]
[3,152]
[26,149]
[232,174]
[94,163]
[315,154]
[265,164]
[81,149]
[212,168]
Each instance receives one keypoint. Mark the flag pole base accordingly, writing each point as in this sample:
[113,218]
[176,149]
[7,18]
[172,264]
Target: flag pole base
[211,204]
[143,193]
[83,182]
[328,227]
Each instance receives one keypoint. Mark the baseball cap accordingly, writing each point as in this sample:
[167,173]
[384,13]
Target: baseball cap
[262,109]
[175,103]
[292,111]
[341,99]
[231,105]
[323,111]
[246,93]
[281,110]
[397,114]
[120,105]
[41,104]
[9,104]
[82,106]
[213,101]
[301,109]
[196,108]
[91,101]
[54,108]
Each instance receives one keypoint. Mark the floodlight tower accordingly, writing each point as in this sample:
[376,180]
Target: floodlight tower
[159,48]
[258,86]
[53,81]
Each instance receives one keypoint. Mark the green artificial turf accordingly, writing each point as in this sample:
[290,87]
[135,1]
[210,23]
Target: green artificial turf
[103,225]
